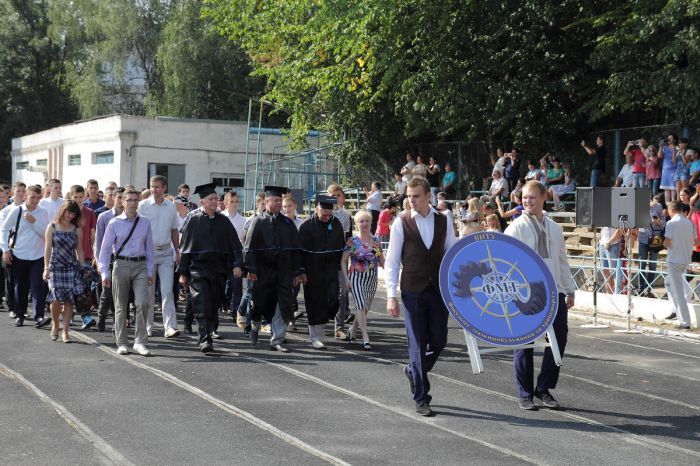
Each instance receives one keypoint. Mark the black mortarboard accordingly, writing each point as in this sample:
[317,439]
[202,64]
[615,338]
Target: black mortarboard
[326,202]
[278,191]
[205,189]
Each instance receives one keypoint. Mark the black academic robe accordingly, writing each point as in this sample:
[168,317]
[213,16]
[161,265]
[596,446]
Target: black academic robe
[209,249]
[273,254]
[322,245]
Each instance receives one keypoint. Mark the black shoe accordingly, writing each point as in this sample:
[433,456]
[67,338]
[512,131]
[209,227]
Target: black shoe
[547,398]
[411,385]
[19,322]
[280,348]
[101,324]
[424,410]
[206,347]
[527,403]
[187,330]
[683,327]
[215,335]
[42,322]
[246,330]
[254,336]
[88,322]
[350,319]
[671,316]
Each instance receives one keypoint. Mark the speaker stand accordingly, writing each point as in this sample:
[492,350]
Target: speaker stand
[628,245]
[595,323]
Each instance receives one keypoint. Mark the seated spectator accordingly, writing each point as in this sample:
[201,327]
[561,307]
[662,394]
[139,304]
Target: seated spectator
[516,211]
[449,182]
[532,172]
[471,223]
[499,185]
[518,189]
[556,191]
[555,175]
[492,223]
[684,197]
[488,207]
[445,208]
[625,178]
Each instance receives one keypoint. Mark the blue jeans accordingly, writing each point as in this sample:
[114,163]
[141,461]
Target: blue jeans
[646,254]
[654,186]
[639,180]
[595,177]
[244,307]
[610,258]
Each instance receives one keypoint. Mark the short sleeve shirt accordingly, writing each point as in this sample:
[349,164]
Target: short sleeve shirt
[681,232]
[163,219]
[89,223]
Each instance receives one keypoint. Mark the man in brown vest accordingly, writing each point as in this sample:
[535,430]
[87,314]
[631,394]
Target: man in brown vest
[419,240]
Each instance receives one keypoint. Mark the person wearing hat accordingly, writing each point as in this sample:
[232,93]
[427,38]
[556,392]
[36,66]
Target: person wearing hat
[273,262]
[322,240]
[209,251]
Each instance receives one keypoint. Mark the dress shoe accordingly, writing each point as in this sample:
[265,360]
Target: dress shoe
[254,336]
[122,349]
[206,347]
[88,322]
[187,330]
[141,349]
[546,398]
[527,404]
[215,335]
[101,324]
[280,348]
[172,333]
[317,344]
[683,327]
[19,322]
[423,409]
[411,384]
[42,322]
[340,334]
[671,316]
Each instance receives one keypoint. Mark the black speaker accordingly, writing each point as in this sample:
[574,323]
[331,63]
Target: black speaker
[593,207]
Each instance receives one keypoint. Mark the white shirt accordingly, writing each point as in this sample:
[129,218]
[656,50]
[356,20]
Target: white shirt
[681,232]
[374,201]
[409,166]
[627,175]
[51,207]
[393,257]
[238,221]
[498,184]
[29,243]
[400,187]
[557,263]
[163,219]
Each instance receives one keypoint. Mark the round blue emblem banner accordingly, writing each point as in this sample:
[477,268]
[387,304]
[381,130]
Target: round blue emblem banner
[498,289]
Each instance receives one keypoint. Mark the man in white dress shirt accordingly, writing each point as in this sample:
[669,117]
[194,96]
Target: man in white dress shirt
[680,240]
[419,239]
[54,202]
[165,230]
[545,237]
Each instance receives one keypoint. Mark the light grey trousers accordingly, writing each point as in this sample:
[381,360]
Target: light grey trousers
[125,277]
[676,290]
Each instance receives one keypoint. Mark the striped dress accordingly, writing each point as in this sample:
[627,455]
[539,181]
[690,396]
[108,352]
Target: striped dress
[364,259]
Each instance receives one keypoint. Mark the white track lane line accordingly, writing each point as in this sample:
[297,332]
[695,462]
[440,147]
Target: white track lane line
[635,345]
[246,416]
[112,455]
[628,436]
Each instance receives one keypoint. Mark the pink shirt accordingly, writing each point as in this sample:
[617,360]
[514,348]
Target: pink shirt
[639,161]
[89,222]
[653,168]
[384,222]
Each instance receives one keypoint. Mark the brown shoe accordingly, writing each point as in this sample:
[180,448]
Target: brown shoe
[341,335]
[240,320]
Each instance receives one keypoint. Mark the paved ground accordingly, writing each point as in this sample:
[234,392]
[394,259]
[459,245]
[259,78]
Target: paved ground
[630,399]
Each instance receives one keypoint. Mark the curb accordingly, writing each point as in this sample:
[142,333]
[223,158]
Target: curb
[622,324]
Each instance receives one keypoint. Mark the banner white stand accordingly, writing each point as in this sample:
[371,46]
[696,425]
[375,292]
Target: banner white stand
[475,351]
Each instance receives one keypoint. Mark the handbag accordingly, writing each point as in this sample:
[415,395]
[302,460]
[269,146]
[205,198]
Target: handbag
[128,237]
[656,239]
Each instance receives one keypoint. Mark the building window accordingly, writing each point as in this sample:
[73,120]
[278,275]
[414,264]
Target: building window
[42,162]
[74,159]
[103,158]
[22,165]
[174,173]
[228,182]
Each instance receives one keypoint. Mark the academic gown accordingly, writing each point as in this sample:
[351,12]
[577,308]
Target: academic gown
[322,245]
[273,254]
[209,249]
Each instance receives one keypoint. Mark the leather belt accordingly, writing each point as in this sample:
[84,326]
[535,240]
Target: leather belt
[131,259]
[160,247]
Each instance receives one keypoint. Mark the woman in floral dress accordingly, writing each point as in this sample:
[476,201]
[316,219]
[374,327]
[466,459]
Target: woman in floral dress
[364,253]
[62,270]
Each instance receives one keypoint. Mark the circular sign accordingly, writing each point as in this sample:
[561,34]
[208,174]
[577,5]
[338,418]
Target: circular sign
[498,289]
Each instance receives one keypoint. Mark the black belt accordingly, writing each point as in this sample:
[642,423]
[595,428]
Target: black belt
[131,259]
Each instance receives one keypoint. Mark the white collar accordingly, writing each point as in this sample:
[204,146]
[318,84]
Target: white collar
[431,211]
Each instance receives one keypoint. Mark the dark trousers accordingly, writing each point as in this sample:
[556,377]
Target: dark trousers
[375,219]
[106,303]
[549,373]
[206,295]
[234,292]
[2,281]
[28,276]
[425,317]
[9,286]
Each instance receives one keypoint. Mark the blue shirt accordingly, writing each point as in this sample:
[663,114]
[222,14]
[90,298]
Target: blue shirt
[94,206]
[140,244]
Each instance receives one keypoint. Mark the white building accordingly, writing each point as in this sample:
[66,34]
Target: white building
[130,149]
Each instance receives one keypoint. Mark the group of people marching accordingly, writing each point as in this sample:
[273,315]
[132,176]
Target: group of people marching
[141,247]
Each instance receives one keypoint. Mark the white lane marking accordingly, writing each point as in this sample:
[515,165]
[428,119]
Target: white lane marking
[635,345]
[112,455]
[246,416]
[628,436]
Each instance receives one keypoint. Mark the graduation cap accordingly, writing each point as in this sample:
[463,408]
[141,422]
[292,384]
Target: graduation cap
[205,190]
[326,202]
[278,191]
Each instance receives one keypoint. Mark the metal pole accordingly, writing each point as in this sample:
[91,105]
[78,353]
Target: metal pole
[247,140]
[595,323]
[257,150]
[628,246]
